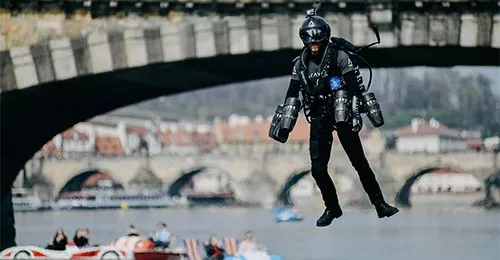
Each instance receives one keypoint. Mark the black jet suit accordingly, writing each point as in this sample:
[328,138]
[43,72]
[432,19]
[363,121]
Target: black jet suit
[346,77]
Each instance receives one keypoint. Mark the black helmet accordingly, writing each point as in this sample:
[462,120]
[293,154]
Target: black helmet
[314,29]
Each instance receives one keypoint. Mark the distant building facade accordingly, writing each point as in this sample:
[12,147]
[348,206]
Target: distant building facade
[242,135]
[108,136]
[429,137]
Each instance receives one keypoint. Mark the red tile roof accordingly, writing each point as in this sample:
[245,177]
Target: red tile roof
[109,145]
[424,128]
[253,132]
[182,137]
[258,132]
[166,137]
[139,130]
[205,141]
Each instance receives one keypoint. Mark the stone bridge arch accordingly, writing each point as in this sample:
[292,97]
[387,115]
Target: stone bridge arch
[403,196]
[175,188]
[87,177]
[123,170]
[402,166]
[184,177]
[283,195]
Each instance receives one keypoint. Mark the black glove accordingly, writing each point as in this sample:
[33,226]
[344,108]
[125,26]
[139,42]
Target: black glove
[357,120]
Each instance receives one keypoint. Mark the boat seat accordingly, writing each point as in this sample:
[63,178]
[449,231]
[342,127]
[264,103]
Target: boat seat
[230,245]
[195,249]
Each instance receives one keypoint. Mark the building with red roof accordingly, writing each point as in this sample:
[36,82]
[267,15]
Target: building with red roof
[75,142]
[109,146]
[243,134]
[187,138]
[429,136]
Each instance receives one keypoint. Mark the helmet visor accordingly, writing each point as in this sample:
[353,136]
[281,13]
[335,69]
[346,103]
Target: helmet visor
[313,35]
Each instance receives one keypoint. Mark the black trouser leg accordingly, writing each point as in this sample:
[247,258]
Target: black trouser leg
[320,145]
[352,146]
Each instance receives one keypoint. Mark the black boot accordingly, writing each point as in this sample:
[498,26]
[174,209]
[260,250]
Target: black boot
[384,209]
[328,216]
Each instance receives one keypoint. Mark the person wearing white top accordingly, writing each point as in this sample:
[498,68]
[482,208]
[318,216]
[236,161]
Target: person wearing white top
[251,250]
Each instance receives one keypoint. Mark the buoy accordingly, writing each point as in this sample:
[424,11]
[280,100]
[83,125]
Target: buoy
[124,205]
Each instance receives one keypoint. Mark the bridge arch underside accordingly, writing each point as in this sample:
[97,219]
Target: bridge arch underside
[88,178]
[403,196]
[59,105]
[175,189]
[284,198]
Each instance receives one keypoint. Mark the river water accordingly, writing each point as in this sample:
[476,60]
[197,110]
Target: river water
[411,234]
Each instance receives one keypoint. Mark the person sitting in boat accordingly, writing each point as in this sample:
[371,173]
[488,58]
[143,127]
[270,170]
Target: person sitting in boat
[81,237]
[86,233]
[162,237]
[59,241]
[132,231]
[251,250]
[214,251]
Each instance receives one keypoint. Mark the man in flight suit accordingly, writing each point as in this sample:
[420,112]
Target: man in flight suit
[319,73]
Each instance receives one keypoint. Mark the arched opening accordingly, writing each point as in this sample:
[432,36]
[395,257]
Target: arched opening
[203,186]
[176,187]
[90,179]
[439,180]
[283,197]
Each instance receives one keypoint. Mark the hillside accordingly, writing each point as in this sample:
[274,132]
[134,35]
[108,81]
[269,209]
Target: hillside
[456,100]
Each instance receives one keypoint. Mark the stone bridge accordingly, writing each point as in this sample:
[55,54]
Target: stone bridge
[121,43]
[278,168]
